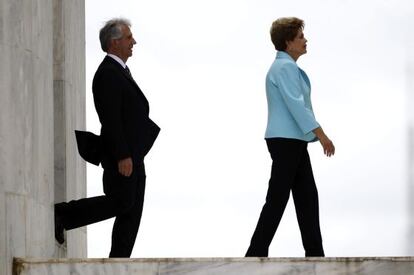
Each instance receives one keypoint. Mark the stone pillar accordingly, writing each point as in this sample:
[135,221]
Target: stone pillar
[69,110]
[26,130]
[410,146]
[27,121]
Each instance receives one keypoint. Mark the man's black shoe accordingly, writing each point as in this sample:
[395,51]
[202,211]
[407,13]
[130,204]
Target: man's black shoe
[59,228]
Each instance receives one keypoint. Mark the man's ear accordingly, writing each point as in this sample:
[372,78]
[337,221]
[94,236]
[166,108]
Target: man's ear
[112,44]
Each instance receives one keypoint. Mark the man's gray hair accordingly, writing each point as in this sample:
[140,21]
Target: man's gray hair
[112,30]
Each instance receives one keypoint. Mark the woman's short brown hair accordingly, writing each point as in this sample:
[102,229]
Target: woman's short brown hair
[285,29]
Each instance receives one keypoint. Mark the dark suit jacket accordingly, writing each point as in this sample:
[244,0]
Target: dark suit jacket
[127,130]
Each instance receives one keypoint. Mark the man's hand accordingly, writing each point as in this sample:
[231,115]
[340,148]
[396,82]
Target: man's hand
[125,167]
[327,144]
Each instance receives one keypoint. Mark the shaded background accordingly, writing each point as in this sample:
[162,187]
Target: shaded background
[202,66]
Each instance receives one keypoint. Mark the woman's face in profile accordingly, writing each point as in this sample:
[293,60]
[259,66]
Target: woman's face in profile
[297,46]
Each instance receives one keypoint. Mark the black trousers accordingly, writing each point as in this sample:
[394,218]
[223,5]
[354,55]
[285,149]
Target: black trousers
[291,171]
[123,199]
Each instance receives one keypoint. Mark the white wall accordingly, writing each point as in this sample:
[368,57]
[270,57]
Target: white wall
[27,122]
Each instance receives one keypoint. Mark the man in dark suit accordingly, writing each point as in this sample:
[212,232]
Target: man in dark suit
[127,134]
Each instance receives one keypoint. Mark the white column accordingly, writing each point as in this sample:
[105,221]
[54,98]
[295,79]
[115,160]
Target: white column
[69,110]
[28,76]
[410,145]
[26,130]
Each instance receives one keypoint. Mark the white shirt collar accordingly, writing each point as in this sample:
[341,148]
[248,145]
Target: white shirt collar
[119,60]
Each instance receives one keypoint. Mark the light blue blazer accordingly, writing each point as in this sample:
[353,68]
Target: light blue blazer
[290,113]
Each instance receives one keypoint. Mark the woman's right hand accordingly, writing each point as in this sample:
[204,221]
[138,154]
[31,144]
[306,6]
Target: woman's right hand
[327,144]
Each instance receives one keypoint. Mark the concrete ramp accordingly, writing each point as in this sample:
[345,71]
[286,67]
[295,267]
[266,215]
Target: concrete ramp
[212,266]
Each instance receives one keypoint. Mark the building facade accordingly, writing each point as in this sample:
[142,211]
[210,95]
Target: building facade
[42,101]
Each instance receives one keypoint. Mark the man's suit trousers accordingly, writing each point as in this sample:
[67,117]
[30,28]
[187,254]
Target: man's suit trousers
[291,171]
[123,199]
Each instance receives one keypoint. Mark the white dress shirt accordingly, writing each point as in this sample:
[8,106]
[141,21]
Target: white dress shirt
[119,60]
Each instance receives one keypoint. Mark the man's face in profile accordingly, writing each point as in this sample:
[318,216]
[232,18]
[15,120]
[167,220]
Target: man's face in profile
[123,46]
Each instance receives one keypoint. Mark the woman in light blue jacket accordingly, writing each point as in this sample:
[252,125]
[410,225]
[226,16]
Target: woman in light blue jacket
[291,125]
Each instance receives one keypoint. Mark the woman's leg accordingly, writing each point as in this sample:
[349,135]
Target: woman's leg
[285,154]
[305,196]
